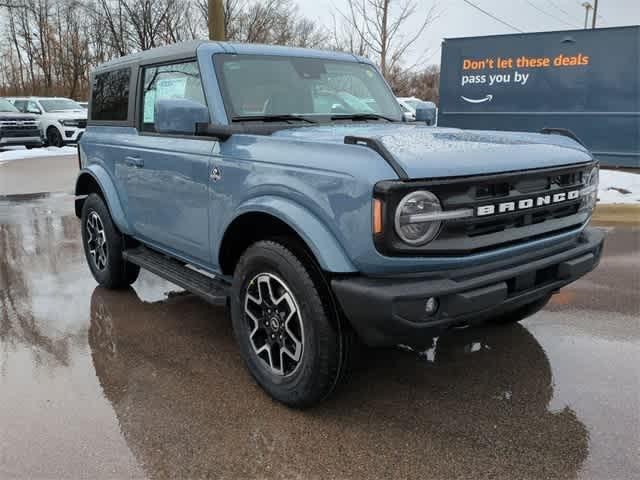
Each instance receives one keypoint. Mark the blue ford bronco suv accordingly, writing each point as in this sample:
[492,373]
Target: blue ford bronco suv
[285,184]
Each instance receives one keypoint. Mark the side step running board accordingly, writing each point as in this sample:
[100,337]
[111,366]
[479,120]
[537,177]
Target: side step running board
[213,290]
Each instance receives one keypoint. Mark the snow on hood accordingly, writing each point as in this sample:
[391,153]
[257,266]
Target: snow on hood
[428,152]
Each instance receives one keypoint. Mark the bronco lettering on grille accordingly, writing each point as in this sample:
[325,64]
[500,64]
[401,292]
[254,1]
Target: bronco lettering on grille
[526,203]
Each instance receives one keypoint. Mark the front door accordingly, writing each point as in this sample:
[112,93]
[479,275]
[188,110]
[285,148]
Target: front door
[167,177]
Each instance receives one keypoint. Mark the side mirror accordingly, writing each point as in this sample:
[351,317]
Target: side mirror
[179,115]
[35,111]
[426,112]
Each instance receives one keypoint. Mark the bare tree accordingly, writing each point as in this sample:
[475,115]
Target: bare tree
[268,21]
[377,28]
[424,84]
[48,47]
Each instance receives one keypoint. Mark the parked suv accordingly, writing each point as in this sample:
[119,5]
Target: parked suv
[282,182]
[62,120]
[18,128]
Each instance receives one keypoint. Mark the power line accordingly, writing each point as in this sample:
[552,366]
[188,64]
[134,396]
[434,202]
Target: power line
[551,15]
[492,16]
[559,8]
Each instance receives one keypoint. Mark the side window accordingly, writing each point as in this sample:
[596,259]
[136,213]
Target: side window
[21,105]
[180,80]
[33,107]
[110,95]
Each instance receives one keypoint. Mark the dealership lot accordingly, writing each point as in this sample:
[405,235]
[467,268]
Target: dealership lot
[149,383]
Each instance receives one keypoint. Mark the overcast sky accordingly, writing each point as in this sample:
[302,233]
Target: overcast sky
[458,19]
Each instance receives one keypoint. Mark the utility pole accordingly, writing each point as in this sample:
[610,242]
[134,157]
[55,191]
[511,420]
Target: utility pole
[595,14]
[587,6]
[216,20]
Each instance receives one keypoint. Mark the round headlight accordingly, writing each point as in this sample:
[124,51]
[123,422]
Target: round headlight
[409,225]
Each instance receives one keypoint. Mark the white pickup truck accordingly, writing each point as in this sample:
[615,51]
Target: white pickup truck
[62,120]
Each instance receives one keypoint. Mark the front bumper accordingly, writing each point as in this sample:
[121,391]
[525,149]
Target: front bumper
[391,310]
[31,141]
[71,134]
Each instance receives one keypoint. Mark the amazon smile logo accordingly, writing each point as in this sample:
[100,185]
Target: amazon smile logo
[487,98]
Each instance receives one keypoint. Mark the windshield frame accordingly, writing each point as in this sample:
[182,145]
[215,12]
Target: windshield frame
[318,118]
[11,105]
[44,101]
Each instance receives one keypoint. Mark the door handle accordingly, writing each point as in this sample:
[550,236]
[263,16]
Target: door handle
[134,162]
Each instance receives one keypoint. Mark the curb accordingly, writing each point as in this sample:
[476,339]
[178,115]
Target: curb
[617,213]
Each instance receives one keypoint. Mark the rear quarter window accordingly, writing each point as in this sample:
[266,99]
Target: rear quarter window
[110,96]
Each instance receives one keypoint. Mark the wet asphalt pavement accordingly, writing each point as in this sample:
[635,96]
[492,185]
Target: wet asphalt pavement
[149,383]
[38,174]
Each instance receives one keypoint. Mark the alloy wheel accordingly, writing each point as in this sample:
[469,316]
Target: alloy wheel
[97,241]
[275,325]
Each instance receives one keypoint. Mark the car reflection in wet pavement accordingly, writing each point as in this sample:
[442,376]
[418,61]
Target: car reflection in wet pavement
[147,382]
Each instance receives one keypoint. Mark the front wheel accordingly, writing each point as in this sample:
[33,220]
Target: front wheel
[288,331]
[103,246]
[54,137]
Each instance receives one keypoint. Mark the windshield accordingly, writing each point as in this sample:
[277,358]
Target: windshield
[59,104]
[6,106]
[266,86]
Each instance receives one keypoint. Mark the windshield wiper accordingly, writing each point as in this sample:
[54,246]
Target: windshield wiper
[272,118]
[362,116]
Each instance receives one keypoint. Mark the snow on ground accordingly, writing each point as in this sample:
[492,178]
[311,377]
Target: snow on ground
[18,153]
[619,187]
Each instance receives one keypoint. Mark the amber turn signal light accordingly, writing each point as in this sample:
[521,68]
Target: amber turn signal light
[377,216]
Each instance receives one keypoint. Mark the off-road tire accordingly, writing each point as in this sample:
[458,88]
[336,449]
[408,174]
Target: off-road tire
[522,312]
[327,341]
[114,272]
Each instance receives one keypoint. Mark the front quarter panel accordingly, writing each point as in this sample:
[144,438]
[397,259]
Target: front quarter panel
[326,249]
[323,191]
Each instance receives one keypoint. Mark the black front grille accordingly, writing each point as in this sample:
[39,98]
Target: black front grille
[12,126]
[485,232]
[19,133]
[520,219]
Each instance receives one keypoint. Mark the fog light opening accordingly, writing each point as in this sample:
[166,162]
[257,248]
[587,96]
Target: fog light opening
[431,306]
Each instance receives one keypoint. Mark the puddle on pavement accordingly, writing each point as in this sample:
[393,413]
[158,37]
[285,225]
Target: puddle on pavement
[145,383]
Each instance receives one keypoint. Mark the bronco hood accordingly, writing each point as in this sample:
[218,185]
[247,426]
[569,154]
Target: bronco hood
[430,152]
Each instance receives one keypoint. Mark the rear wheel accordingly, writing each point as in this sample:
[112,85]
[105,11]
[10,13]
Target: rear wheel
[522,312]
[103,246]
[288,331]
